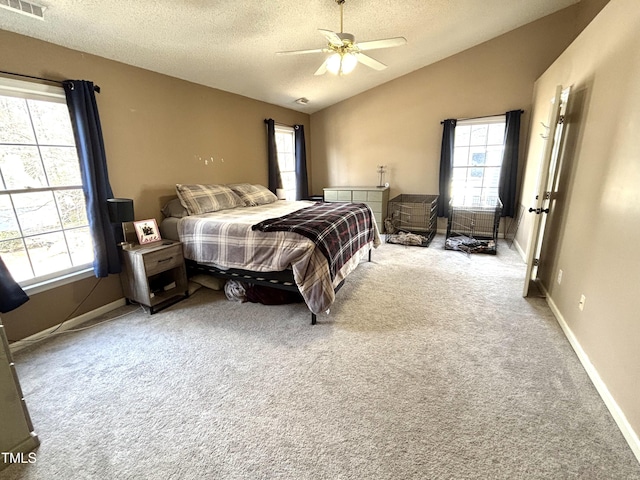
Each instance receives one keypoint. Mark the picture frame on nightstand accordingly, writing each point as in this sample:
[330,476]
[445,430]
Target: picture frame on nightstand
[147,231]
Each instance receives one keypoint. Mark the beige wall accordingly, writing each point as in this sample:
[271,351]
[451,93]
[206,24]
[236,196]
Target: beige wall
[157,131]
[595,217]
[398,123]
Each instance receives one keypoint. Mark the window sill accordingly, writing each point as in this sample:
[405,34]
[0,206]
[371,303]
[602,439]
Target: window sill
[58,281]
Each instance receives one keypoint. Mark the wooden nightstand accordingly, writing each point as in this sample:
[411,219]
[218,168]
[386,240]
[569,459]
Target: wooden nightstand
[154,275]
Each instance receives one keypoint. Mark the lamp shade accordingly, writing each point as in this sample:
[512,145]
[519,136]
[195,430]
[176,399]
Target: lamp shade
[120,210]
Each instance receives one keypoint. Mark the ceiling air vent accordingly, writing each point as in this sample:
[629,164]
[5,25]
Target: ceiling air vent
[26,8]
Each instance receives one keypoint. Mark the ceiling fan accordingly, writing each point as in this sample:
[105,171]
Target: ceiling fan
[345,52]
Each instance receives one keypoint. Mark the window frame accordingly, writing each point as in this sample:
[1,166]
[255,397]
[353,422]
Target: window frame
[291,191]
[469,200]
[55,94]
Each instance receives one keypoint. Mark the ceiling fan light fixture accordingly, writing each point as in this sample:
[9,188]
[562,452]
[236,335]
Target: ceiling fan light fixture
[344,52]
[334,63]
[341,63]
[349,62]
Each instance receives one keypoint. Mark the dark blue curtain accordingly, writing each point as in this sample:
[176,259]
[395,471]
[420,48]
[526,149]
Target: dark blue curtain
[83,110]
[302,182]
[446,166]
[275,181]
[509,170]
[11,295]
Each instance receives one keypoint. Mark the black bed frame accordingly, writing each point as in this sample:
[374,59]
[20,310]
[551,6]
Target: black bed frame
[282,280]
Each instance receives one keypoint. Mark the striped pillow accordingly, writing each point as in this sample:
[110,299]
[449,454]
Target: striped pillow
[199,199]
[253,195]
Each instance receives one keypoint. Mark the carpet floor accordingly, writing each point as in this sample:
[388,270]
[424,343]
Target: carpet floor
[430,365]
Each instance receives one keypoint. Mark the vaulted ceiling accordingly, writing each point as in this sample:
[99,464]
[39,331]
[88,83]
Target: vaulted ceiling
[231,44]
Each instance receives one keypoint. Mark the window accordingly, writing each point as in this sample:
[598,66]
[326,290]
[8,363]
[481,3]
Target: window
[285,144]
[44,232]
[477,159]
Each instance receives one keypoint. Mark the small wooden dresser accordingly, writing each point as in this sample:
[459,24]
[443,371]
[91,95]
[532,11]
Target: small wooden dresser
[376,197]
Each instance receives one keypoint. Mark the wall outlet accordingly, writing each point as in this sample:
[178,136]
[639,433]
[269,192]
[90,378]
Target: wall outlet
[559,276]
[581,303]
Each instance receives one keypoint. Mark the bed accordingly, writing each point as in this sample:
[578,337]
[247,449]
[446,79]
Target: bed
[265,241]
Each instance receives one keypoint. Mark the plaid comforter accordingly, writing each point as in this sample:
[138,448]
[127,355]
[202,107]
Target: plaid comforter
[226,239]
[338,229]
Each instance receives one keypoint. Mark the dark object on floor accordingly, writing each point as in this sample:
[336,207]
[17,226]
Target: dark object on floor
[271,296]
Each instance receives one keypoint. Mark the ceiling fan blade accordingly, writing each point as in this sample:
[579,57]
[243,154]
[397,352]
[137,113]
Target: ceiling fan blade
[383,43]
[300,52]
[370,62]
[322,69]
[333,37]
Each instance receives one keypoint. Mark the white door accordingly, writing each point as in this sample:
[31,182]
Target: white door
[547,175]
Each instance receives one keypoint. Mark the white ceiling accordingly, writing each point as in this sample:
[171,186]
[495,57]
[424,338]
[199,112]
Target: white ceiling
[231,44]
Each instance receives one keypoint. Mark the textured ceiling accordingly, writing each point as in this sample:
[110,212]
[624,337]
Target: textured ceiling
[231,44]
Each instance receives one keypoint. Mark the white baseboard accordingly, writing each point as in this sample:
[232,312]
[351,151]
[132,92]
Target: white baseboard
[618,415]
[67,325]
[520,251]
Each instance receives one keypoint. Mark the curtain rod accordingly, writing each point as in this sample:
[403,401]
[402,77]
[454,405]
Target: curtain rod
[481,116]
[280,124]
[484,116]
[96,88]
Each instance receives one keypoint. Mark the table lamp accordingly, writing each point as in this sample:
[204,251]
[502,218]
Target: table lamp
[121,211]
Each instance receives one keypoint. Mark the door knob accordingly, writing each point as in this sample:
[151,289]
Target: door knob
[539,210]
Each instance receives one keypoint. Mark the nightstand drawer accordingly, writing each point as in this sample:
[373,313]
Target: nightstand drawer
[161,260]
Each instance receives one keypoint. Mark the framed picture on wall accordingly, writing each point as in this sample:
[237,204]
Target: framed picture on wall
[147,231]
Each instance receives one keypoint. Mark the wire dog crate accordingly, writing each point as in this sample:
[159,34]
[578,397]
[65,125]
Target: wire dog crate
[476,227]
[416,214]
